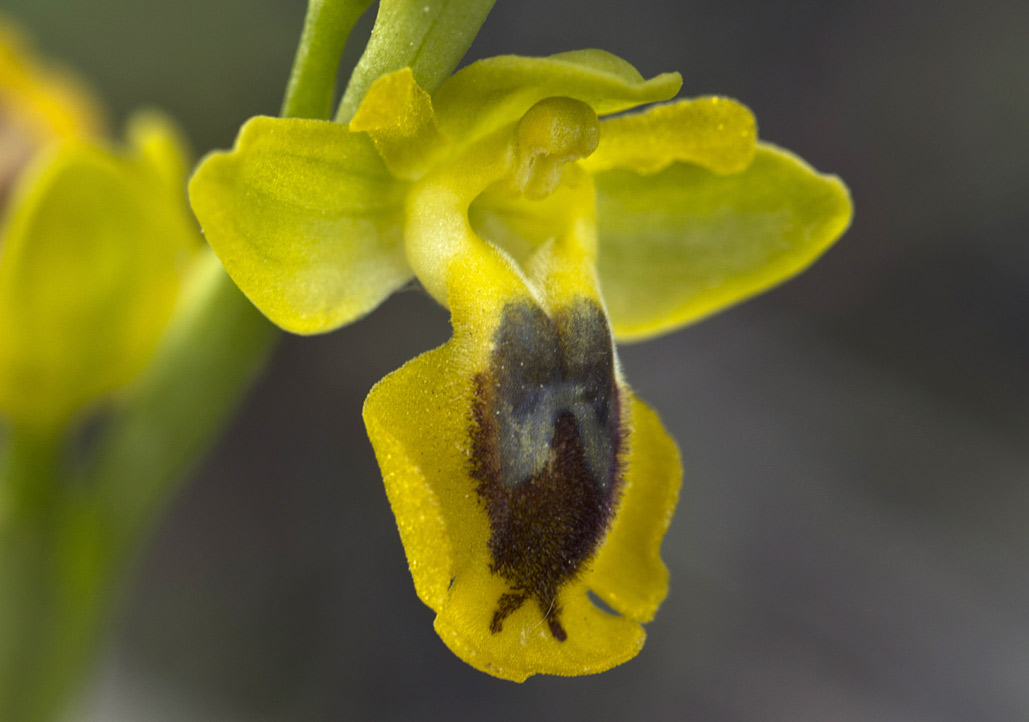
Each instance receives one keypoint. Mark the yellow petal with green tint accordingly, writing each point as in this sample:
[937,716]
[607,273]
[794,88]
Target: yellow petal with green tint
[716,133]
[491,92]
[91,260]
[628,573]
[306,219]
[683,243]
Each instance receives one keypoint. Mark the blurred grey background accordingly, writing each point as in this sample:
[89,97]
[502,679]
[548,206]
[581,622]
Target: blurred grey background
[851,542]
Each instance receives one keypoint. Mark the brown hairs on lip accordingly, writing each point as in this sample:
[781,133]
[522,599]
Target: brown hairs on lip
[546,432]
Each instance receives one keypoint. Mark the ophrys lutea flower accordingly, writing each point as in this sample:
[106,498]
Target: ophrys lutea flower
[522,471]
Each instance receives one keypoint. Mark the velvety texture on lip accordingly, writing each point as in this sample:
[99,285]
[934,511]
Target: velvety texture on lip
[546,442]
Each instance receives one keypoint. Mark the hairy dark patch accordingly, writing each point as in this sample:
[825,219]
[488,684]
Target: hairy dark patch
[546,437]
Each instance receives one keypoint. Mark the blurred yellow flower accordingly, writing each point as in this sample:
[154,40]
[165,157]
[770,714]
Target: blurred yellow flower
[93,244]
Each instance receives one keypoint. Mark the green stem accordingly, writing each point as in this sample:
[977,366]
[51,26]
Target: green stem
[65,543]
[312,83]
[429,36]
[34,626]
[212,351]
[28,468]
[218,341]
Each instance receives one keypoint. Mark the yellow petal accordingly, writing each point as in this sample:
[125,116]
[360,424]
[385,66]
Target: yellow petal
[398,117]
[492,92]
[306,219]
[683,243]
[90,265]
[410,417]
[42,104]
[47,99]
[716,133]
[596,641]
[161,144]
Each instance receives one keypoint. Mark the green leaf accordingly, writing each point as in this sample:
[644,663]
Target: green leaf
[684,243]
[492,92]
[90,266]
[428,36]
[306,219]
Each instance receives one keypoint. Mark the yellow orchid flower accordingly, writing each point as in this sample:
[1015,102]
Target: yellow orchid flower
[523,473]
[94,243]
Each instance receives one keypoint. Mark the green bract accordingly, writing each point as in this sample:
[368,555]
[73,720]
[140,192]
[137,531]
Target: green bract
[428,36]
[523,472]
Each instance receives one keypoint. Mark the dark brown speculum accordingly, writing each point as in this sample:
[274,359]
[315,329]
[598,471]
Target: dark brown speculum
[546,439]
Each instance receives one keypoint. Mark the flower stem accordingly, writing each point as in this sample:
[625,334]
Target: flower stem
[28,469]
[312,83]
[45,565]
[68,536]
[429,36]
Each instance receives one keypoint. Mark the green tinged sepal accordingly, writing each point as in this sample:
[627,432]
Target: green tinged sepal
[681,244]
[306,218]
[492,92]
[94,246]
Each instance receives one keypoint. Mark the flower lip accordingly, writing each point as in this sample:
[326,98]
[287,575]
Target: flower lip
[546,440]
